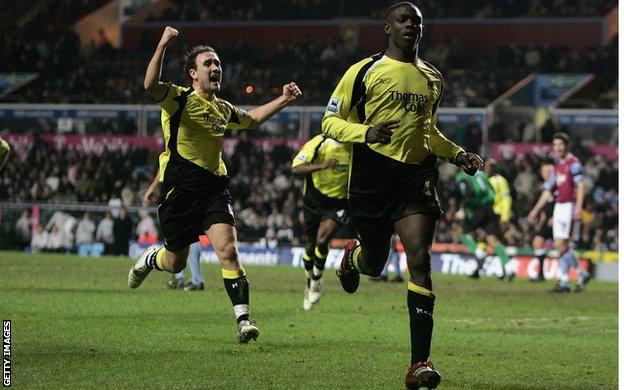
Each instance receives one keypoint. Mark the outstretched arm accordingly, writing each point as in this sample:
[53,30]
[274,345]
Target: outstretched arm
[152,83]
[309,168]
[259,115]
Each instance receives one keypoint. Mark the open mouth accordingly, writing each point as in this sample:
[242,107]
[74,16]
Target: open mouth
[215,77]
[409,35]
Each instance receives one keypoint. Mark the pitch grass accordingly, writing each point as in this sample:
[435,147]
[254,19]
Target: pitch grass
[76,324]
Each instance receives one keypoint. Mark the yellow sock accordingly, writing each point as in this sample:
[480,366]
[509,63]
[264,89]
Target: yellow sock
[318,253]
[355,258]
[231,273]
[159,259]
[420,290]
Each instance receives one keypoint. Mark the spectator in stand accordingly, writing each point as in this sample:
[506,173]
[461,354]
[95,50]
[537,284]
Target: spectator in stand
[23,229]
[39,239]
[85,230]
[146,229]
[115,204]
[122,231]
[262,201]
[104,233]
[54,242]
[85,244]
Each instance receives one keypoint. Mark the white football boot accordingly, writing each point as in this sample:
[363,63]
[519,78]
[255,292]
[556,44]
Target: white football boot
[247,331]
[307,305]
[140,270]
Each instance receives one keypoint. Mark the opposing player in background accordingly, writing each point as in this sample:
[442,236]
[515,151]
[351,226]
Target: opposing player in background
[386,106]
[478,200]
[324,162]
[195,183]
[5,149]
[566,183]
[196,282]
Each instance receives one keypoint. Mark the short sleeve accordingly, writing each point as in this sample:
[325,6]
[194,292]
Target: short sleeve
[168,103]
[549,184]
[308,151]
[577,171]
[239,118]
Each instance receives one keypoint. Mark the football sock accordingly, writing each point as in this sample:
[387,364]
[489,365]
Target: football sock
[541,255]
[319,263]
[564,265]
[481,253]
[180,275]
[567,261]
[193,262]
[308,264]
[420,303]
[237,288]
[355,258]
[469,242]
[501,252]
[154,260]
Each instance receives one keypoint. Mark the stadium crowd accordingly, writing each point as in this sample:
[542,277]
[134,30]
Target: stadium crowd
[318,9]
[266,197]
[103,74]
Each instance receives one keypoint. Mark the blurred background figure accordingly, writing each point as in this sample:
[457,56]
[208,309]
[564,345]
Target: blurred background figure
[23,229]
[104,233]
[122,231]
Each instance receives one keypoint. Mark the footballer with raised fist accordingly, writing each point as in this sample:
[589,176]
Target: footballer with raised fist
[196,192]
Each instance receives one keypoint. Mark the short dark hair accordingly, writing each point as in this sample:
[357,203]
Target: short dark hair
[562,136]
[398,5]
[191,56]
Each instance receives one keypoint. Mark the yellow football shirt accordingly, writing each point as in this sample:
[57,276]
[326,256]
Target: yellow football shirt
[193,129]
[378,89]
[502,197]
[332,182]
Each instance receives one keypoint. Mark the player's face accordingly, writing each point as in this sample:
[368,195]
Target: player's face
[404,25]
[208,72]
[560,148]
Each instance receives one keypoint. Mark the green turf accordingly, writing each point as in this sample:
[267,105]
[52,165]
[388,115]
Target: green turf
[76,324]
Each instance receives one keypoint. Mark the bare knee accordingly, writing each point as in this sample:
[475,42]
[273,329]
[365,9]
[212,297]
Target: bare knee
[176,261]
[419,261]
[227,253]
